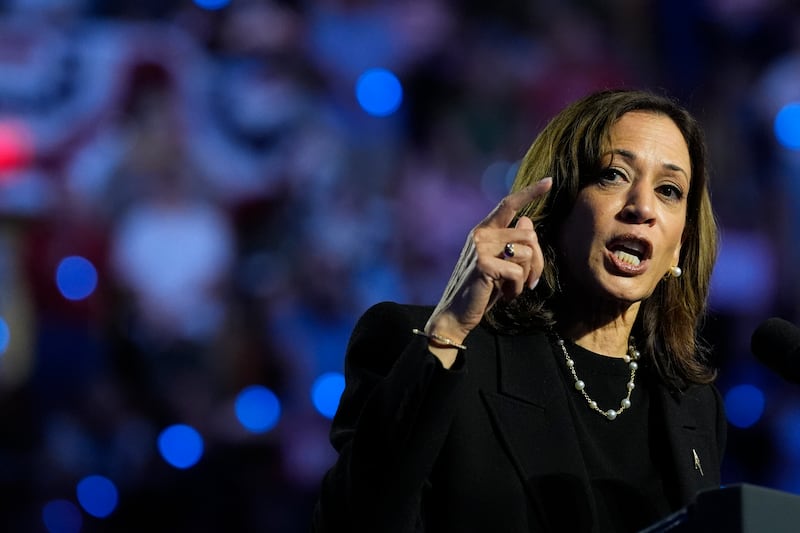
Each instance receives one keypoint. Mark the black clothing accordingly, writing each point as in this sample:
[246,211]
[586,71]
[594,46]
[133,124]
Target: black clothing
[500,442]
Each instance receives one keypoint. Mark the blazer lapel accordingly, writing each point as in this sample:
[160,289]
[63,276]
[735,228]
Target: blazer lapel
[694,462]
[531,415]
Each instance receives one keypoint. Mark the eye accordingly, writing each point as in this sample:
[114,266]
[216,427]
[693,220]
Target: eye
[670,191]
[611,175]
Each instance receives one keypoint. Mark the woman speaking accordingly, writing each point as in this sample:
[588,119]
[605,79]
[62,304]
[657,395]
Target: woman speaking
[560,383]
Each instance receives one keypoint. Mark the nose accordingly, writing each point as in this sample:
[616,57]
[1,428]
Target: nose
[639,205]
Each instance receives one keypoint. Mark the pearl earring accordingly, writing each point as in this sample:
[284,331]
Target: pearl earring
[675,271]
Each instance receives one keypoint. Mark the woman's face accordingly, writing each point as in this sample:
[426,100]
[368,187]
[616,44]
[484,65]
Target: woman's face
[625,230]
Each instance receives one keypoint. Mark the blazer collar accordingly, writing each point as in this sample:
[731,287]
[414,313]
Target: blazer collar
[531,416]
[528,372]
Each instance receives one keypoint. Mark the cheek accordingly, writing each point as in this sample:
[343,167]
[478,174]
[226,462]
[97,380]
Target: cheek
[672,252]
[676,255]
[677,237]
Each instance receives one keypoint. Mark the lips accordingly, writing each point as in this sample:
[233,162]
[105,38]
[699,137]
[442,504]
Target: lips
[630,252]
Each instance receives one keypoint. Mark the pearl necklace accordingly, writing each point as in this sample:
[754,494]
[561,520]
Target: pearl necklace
[631,357]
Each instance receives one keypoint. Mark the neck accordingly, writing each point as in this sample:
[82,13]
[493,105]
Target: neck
[609,342]
[606,334]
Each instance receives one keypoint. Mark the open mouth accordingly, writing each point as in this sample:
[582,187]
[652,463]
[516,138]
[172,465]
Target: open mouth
[630,250]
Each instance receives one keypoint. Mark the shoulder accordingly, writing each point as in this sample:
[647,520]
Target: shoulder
[693,400]
[391,321]
[383,330]
[701,403]
[395,312]
[706,394]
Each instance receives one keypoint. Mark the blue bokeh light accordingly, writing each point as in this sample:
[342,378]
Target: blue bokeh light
[5,336]
[180,445]
[744,405]
[498,178]
[326,392]
[97,495]
[76,277]
[258,408]
[738,283]
[61,516]
[787,126]
[211,5]
[379,92]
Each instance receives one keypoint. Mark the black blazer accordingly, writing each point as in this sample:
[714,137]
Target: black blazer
[488,445]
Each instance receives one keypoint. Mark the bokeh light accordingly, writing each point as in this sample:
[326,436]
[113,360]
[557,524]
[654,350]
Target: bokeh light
[787,126]
[497,179]
[326,391]
[744,405]
[258,408]
[211,5]
[97,495]
[61,516]
[379,92]
[16,147]
[5,336]
[76,277]
[739,284]
[180,445]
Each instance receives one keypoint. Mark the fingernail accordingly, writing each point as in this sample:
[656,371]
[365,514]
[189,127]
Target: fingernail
[533,284]
[544,180]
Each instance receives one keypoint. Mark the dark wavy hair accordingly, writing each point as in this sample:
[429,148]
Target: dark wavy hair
[569,149]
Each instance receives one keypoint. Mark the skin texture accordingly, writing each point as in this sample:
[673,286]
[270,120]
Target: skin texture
[638,204]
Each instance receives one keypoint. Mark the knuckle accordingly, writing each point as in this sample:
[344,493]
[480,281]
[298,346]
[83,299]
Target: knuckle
[479,235]
[530,235]
[522,253]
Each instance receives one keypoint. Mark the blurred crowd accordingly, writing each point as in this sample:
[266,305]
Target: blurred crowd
[242,210]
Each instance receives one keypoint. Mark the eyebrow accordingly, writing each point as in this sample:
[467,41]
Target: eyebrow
[630,156]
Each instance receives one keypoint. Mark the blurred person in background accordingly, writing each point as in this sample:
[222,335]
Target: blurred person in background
[560,383]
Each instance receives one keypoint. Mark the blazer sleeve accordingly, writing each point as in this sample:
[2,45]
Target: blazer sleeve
[392,421]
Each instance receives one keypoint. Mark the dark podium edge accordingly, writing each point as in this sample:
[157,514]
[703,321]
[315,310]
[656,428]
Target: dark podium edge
[737,508]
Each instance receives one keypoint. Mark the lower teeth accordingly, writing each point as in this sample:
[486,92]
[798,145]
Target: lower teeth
[627,258]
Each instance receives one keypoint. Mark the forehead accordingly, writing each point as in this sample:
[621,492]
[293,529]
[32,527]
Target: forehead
[649,136]
[648,126]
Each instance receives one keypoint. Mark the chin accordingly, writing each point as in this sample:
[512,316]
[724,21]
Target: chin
[615,291]
[625,293]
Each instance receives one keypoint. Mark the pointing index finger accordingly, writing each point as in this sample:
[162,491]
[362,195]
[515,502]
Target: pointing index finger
[505,211]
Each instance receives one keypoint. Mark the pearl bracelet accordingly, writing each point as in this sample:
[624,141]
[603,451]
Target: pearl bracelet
[438,338]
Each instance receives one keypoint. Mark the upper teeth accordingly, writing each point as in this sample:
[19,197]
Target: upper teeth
[626,257]
[635,246]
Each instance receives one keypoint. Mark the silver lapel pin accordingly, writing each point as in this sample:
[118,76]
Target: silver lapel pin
[697,465]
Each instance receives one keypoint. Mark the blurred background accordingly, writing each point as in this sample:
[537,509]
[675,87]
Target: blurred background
[198,200]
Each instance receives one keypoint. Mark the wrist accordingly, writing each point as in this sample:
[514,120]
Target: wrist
[445,327]
[439,341]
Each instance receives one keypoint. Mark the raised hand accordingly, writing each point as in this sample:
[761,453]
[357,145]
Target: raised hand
[486,271]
